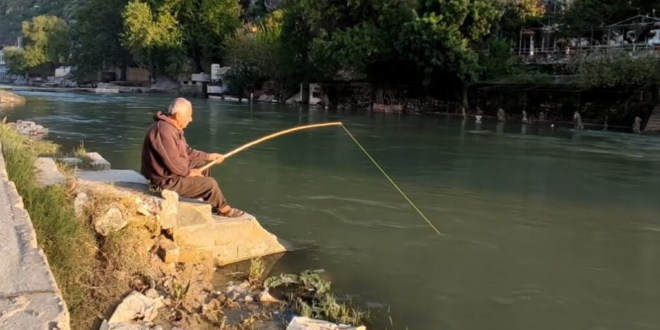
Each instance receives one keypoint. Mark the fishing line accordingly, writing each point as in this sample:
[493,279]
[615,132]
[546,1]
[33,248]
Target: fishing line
[300,128]
[392,181]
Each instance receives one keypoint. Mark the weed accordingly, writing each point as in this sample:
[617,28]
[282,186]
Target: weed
[257,270]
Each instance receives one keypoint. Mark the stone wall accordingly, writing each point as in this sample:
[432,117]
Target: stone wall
[29,296]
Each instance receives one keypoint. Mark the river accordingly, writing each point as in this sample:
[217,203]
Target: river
[545,228]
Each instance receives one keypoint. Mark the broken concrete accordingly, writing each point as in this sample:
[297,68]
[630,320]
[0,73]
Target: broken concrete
[196,232]
[135,312]
[168,251]
[29,296]
[304,323]
[47,172]
[97,162]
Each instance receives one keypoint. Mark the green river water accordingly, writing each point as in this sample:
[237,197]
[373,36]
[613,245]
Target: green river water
[544,228]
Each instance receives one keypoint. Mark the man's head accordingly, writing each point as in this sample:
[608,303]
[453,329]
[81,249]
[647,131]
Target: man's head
[181,111]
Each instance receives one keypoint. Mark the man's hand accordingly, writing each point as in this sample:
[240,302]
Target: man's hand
[217,158]
[195,172]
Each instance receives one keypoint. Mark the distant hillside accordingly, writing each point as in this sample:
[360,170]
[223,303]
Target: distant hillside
[13,12]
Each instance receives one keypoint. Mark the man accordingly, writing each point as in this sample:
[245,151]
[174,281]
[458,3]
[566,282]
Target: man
[169,163]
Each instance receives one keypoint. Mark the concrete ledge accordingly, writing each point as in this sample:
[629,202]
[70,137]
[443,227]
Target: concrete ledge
[227,241]
[29,296]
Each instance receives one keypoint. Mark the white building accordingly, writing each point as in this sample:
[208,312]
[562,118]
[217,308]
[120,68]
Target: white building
[3,66]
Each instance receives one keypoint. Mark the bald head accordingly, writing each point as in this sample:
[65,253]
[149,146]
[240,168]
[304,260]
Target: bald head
[180,105]
[181,111]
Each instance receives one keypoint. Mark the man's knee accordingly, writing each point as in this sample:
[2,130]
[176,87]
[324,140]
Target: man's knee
[210,183]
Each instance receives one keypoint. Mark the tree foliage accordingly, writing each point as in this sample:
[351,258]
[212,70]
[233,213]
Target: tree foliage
[46,41]
[204,25]
[256,54]
[153,38]
[444,37]
[96,46]
[619,70]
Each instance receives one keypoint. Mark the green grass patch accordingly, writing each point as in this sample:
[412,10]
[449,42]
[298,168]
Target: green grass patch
[310,296]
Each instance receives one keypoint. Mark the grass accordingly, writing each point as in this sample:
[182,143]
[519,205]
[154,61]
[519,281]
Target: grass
[80,152]
[92,272]
[68,243]
[257,270]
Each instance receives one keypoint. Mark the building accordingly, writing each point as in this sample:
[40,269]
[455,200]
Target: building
[3,66]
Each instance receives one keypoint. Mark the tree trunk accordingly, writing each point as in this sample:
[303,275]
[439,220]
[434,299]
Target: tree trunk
[304,93]
[466,104]
[124,71]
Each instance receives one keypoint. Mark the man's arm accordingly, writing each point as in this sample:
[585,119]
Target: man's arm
[194,154]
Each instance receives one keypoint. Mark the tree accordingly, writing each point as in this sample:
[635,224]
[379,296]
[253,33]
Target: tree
[355,36]
[154,39]
[618,70]
[203,25]
[97,46]
[443,41]
[15,59]
[256,54]
[46,44]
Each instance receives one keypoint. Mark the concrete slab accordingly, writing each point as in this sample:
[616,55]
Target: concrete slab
[47,172]
[113,176]
[29,296]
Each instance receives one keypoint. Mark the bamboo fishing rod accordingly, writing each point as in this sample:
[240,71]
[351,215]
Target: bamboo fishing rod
[306,127]
[269,137]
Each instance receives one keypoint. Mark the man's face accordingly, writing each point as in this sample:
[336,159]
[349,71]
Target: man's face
[184,118]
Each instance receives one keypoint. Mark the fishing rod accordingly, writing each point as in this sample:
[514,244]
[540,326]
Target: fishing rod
[306,127]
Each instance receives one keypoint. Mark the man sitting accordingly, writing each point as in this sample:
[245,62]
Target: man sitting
[169,163]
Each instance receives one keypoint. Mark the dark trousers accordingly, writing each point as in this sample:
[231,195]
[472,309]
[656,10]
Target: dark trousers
[197,187]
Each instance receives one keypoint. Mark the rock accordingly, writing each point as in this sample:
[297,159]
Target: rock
[135,306]
[97,162]
[233,295]
[111,221]
[79,203]
[10,98]
[265,297]
[249,299]
[152,293]
[47,172]
[266,98]
[304,323]
[169,210]
[30,129]
[168,251]
[148,205]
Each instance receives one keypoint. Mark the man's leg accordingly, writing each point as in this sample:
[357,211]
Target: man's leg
[198,187]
